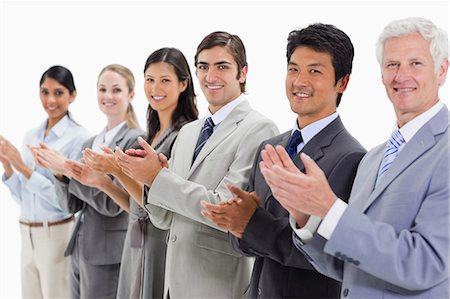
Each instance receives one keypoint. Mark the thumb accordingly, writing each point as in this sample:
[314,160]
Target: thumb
[107,150]
[43,145]
[145,145]
[310,166]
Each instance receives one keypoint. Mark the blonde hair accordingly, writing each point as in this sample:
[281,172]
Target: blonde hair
[131,119]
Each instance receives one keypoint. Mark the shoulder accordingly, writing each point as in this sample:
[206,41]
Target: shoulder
[278,139]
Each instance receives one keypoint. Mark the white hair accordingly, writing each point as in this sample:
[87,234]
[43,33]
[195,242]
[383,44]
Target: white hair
[438,37]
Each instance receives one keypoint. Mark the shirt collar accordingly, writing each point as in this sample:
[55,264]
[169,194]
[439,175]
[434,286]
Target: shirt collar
[223,112]
[60,127]
[413,126]
[110,134]
[314,128]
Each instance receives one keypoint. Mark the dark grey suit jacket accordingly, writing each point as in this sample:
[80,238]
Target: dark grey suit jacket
[101,223]
[280,270]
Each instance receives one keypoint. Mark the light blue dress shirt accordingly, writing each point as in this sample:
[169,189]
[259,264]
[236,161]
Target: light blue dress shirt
[36,195]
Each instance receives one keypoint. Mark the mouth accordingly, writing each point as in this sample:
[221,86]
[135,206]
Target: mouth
[52,108]
[214,87]
[158,98]
[404,89]
[108,104]
[302,95]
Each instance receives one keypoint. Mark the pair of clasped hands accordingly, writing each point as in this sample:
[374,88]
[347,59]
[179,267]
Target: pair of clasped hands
[142,165]
[301,194]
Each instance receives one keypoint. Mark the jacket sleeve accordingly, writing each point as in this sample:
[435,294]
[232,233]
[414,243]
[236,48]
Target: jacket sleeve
[176,194]
[271,236]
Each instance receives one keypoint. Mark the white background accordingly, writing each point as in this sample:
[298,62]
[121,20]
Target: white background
[86,36]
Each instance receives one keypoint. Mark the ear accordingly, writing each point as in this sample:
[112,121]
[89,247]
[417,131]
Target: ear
[72,97]
[442,72]
[243,74]
[183,85]
[342,83]
[131,96]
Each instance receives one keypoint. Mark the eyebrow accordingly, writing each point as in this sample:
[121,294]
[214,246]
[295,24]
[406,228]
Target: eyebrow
[215,63]
[309,65]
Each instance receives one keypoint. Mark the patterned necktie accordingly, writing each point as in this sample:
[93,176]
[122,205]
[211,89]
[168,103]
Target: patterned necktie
[294,141]
[394,144]
[207,130]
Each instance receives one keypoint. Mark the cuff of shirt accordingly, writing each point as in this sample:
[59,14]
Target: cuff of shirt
[11,182]
[305,233]
[35,182]
[331,219]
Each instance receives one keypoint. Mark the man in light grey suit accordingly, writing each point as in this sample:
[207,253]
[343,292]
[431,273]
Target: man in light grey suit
[200,262]
[392,239]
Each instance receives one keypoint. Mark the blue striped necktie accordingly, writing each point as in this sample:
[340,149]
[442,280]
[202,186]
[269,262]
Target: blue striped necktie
[207,130]
[393,146]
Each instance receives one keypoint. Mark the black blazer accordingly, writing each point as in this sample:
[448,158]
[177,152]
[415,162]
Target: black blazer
[280,270]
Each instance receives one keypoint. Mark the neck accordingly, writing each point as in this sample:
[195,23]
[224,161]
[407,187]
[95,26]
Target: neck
[52,122]
[165,120]
[113,122]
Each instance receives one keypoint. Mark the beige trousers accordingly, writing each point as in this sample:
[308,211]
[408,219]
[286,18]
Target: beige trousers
[45,270]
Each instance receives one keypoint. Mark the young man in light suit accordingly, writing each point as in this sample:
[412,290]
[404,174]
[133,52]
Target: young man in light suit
[392,239]
[200,262]
[319,63]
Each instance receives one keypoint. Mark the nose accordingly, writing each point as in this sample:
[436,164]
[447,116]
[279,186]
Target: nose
[301,79]
[51,99]
[211,75]
[402,74]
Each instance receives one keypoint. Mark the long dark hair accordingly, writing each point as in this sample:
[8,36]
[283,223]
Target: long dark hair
[186,109]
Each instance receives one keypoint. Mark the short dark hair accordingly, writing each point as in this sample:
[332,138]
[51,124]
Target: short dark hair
[230,41]
[329,39]
[186,109]
[62,75]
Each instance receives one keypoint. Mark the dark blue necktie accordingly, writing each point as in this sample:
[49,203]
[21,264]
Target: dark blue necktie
[207,130]
[296,139]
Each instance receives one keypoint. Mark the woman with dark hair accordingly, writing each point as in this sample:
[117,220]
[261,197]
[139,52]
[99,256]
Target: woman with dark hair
[44,225]
[97,240]
[170,92]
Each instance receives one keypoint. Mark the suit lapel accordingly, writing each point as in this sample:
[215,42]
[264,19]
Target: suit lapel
[116,141]
[188,146]
[225,128]
[422,141]
[314,148]
[266,193]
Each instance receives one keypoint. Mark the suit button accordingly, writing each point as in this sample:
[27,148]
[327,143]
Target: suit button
[259,292]
[356,263]
[173,238]
[345,293]
[338,254]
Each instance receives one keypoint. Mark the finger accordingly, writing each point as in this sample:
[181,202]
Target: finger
[145,145]
[286,161]
[107,150]
[123,159]
[219,209]
[238,191]
[255,197]
[163,160]
[310,165]
[273,155]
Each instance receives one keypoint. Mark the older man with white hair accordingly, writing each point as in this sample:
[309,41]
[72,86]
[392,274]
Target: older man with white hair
[392,239]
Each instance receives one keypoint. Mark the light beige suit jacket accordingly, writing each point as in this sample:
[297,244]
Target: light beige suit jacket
[200,261]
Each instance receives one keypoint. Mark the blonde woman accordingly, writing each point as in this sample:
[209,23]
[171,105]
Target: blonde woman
[97,241]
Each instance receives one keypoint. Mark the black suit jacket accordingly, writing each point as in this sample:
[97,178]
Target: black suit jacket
[280,270]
